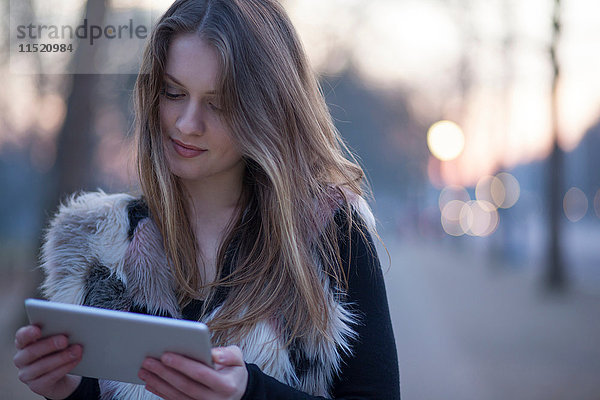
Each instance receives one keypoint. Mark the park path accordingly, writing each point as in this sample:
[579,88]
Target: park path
[468,327]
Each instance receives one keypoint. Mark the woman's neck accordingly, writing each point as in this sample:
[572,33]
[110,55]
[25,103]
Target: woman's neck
[212,208]
[212,204]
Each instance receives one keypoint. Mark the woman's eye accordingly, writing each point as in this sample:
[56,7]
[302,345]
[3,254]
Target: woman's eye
[171,93]
[172,96]
[213,106]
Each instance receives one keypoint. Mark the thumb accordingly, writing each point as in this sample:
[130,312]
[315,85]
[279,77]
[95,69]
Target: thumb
[228,356]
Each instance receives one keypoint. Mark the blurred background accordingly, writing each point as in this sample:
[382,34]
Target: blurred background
[477,122]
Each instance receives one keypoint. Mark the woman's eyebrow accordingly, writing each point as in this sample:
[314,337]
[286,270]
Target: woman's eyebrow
[170,77]
[167,75]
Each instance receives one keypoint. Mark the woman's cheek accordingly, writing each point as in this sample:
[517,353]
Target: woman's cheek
[164,117]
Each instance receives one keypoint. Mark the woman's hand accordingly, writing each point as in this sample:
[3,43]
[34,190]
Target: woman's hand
[175,377]
[43,364]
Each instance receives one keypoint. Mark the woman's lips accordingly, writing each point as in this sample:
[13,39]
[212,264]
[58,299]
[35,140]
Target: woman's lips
[185,150]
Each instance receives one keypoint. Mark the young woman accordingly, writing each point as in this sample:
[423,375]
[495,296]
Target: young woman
[252,220]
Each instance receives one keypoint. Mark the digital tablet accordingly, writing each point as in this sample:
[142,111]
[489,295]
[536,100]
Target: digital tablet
[115,342]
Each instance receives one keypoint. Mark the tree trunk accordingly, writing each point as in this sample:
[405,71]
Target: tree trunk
[75,144]
[75,141]
[555,276]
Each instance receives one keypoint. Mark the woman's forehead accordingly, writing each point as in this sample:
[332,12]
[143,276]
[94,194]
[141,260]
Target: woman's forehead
[192,62]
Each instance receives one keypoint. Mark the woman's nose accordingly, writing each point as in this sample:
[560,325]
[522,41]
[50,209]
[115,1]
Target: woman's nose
[191,121]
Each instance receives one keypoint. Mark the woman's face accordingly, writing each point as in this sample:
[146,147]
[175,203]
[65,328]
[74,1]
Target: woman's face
[197,141]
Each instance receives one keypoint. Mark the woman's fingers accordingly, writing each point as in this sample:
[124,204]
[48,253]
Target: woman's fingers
[169,384]
[38,349]
[27,335]
[230,365]
[194,370]
[51,364]
[222,379]
[41,384]
[175,376]
[228,356]
[44,363]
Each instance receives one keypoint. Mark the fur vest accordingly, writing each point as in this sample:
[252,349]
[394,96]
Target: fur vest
[101,251]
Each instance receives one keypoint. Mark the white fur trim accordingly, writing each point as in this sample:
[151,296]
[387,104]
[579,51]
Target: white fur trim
[111,390]
[364,210]
[90,228]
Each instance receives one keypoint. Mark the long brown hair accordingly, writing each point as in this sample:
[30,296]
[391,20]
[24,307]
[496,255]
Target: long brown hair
[294,156]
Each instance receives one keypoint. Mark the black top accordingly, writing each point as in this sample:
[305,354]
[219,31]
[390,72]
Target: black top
[371,372]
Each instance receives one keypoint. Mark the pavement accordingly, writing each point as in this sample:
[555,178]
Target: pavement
[469,327]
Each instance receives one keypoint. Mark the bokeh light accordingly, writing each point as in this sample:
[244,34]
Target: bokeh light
[445,140]
[490,189]
[597,203]
[453,192]
[502,190]
[478,218]
[510,188]
[575,204]
[451,218]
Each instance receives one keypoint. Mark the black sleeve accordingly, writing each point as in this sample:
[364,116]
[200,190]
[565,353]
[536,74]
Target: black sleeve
[371,372]
[88,389]
[263,387]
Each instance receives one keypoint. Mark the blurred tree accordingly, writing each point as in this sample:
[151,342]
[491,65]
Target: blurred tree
[74,149]
[75,140]
[555,273]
